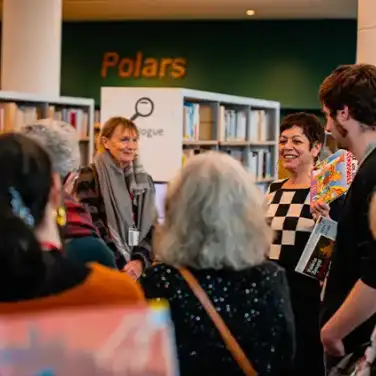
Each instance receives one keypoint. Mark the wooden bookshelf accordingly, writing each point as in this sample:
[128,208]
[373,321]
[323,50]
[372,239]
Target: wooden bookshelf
[193,122]
[18,109]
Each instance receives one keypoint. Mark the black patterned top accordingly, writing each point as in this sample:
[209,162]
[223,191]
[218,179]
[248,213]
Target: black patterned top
[289,215]
[254,303]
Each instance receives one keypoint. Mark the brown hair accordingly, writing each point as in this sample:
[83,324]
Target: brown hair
[109,128]
[353,86]
[310,125]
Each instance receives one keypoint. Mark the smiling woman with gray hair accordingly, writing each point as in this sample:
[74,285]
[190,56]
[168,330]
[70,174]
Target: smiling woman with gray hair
[215,229]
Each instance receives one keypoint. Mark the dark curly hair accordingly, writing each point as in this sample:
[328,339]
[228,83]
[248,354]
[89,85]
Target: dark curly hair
[309,123]
[353,86]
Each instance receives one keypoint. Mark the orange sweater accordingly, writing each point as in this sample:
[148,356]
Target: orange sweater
[103,286]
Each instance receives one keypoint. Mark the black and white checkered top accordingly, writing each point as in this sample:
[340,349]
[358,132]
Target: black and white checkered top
[290,217]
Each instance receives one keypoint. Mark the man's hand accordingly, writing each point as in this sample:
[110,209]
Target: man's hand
[133,268]
[332,346]
[319,208]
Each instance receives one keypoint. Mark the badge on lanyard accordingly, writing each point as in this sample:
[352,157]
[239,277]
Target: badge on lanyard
[133,236]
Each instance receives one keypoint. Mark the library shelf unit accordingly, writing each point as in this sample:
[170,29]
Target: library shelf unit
[17,109]
[184,122]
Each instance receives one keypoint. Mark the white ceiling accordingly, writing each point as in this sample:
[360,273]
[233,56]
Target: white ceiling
[106,10]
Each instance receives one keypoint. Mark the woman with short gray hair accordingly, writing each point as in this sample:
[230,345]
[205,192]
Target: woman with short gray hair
[81,238]
[215,228]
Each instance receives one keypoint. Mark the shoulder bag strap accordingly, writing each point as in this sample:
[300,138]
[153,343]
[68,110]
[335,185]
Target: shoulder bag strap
[231,343]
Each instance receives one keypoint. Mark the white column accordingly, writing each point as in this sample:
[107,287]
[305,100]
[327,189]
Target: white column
[31,46]
[366,41]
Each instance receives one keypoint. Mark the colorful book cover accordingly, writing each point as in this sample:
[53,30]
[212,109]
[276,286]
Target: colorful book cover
[110,341]
[316,257]
[331,178]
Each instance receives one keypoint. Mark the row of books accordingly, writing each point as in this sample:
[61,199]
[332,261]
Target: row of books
[13,116]
[232,124]
[259,160]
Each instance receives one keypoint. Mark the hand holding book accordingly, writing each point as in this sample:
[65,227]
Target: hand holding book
[319,208]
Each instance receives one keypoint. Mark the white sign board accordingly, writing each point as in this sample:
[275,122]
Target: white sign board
[158,115]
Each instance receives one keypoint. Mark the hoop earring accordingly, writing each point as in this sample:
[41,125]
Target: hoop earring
[61,216]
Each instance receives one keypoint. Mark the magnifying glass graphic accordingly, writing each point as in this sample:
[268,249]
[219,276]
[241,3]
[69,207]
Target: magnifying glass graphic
[144,107]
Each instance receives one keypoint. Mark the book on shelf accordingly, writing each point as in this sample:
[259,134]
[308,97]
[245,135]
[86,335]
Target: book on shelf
[191,121]
[13,116]
[332,177]
[260,163]
[232,124]
[316,257]
[128,341]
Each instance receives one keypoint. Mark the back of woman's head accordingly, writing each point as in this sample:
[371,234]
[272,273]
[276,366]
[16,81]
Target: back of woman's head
[214,216]
[60,140]
[25,183]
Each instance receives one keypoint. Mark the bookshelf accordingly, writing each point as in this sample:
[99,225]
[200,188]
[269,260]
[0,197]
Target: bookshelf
[177,123]
[17,109]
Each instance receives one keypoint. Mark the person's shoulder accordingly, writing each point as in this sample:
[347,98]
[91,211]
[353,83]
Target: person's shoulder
[367,167]
[269,269]
[276,184]
[268,275]
[90,249]
[113,284]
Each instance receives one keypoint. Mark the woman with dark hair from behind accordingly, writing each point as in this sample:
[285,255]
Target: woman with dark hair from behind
[30,198]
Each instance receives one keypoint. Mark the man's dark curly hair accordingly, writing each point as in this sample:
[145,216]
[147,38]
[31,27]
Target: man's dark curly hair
[309,123]
[353,86]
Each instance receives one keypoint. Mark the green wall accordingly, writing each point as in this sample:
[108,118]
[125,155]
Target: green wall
[279,60]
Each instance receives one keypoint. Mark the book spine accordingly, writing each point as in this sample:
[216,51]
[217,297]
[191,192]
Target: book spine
[348,169]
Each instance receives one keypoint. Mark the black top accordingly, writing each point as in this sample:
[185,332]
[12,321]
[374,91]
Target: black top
[354,255]
[255,305]
[56,274]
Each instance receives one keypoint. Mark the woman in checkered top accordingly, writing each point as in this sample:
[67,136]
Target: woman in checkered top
[301,140]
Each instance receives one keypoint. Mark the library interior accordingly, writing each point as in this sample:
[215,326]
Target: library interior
[232,131]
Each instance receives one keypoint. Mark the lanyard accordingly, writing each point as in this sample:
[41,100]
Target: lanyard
[133,210]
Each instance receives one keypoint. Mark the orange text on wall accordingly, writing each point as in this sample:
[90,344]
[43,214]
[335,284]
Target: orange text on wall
[141,66]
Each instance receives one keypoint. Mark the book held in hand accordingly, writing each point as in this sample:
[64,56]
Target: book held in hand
[315,259]
[331,178]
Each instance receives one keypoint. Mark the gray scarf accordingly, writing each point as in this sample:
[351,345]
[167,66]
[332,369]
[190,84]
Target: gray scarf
[117,186]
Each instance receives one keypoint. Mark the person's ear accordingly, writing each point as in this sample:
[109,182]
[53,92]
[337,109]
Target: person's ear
[105,142]
[343,115]
[316,149]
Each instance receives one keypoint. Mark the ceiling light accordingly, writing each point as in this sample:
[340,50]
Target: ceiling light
[250,12]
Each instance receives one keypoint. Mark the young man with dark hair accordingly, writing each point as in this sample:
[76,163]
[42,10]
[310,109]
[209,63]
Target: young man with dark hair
[348,97]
